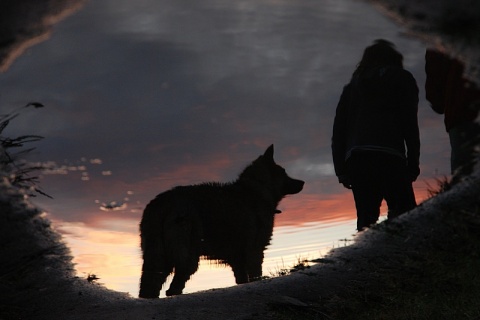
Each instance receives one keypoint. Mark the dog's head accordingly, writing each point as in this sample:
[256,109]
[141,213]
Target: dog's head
[280,177]
[267,175]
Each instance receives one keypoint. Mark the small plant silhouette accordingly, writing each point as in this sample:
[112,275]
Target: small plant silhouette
[13,168]
[92,278]
[302,264]
[442,184]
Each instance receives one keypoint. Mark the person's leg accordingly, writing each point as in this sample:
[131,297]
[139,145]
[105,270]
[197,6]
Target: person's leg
[463,142]
[367,203]
[366,190]
[398,190]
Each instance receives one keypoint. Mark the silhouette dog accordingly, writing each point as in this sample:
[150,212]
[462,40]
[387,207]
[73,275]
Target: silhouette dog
[228,222]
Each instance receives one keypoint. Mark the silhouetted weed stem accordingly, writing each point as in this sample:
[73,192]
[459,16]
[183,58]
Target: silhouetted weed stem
[13,168]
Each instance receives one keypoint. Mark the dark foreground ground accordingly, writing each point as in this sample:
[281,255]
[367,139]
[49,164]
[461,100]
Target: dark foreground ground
[423,265]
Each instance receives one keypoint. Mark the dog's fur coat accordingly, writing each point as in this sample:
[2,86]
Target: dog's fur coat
[231,223]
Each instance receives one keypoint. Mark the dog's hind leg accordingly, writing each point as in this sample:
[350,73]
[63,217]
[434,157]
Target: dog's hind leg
[183,271]
[155,269]
[156,264]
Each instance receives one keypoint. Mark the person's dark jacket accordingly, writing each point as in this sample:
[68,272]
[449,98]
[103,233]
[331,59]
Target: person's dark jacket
[378,112]
[448,91]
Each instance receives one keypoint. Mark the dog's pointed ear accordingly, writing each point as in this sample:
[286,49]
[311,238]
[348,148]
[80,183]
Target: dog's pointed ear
[269,153]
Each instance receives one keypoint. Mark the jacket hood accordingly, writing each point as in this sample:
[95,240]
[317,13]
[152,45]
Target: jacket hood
[375,80]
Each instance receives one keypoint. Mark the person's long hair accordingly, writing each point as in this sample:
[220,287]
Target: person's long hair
[381,53]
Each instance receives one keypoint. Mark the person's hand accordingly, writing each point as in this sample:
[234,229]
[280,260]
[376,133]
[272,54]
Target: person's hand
[345,180]
[413,172]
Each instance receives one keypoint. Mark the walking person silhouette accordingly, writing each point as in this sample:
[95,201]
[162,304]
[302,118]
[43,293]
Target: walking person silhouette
[458,98]
[375,142]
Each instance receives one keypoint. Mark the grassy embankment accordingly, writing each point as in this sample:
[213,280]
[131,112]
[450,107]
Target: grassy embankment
[440,282]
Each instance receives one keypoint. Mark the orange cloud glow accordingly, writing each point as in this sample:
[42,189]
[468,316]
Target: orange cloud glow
[113,256]
[303,208]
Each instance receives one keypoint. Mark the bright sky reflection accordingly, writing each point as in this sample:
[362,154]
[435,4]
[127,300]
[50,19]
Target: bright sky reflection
[115,257]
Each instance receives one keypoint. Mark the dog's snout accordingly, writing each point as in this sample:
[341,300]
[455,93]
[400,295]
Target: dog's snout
[295,186]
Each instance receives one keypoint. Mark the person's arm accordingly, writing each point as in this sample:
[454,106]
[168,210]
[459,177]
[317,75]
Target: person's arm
[435,83]
[411,133]
[339,137]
